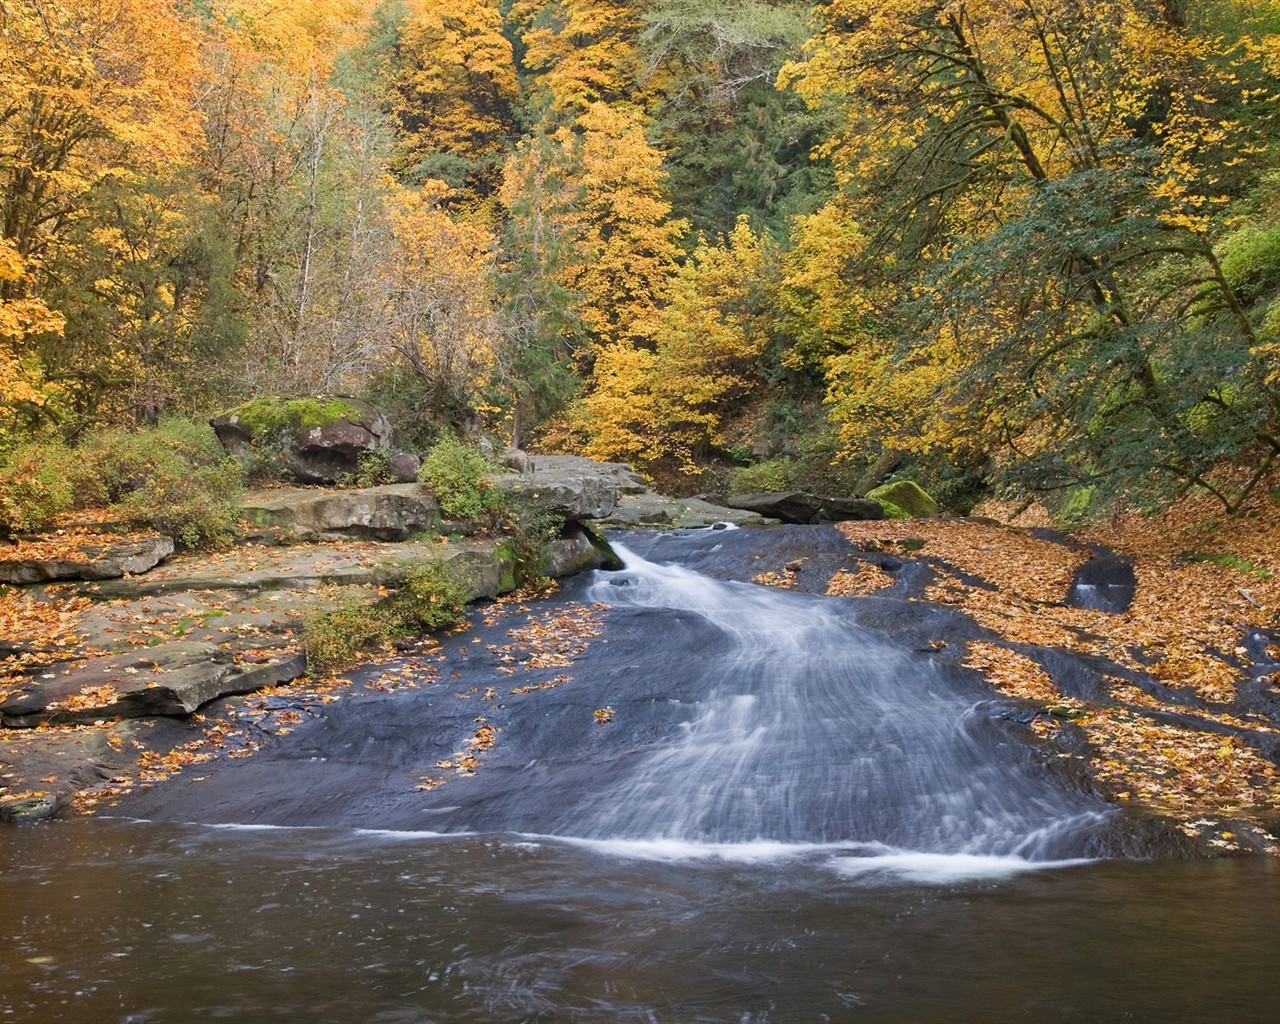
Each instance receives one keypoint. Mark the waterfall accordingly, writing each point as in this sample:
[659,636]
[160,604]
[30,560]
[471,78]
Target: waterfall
[811,729]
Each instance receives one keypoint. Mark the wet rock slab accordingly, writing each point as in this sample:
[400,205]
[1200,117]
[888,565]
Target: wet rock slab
[1106,584]
[169,679]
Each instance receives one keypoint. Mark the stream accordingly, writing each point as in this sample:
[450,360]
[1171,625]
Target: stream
[786,815]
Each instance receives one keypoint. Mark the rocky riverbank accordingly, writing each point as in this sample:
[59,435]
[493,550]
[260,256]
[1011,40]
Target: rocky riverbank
[1145,654]
[113,647]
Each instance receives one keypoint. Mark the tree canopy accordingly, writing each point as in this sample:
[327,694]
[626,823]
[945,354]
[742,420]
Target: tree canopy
[1029,244]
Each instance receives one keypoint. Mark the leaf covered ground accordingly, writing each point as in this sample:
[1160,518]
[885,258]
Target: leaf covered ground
[1180,714]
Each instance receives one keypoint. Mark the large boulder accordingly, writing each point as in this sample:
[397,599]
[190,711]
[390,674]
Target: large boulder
[316,440]
[801,507]
[109,560]
[908,496]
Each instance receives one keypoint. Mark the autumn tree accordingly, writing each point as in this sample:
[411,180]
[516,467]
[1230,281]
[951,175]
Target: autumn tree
[90,89]
[296,161]
[960,121]
[441,325]
[580,52]
[456,95]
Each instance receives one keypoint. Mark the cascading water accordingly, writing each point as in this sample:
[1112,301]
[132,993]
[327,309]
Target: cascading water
[789,817]
[812,729]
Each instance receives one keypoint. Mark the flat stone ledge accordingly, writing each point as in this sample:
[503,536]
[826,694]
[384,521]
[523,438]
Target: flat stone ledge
[107,561]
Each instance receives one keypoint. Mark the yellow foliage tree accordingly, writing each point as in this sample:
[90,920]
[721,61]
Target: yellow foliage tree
[89,89]
[628,244]
[456,92]
[582,50]
[956,117]
[672,407]
[441,320]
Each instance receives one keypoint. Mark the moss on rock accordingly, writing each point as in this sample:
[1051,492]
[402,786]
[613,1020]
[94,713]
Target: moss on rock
[268,415]
[907,496]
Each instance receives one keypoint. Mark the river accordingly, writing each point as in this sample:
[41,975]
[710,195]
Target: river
[786,816]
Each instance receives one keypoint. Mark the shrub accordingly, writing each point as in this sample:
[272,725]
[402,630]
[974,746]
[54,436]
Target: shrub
[340,635]
[433,596]
[175,478]
[774,475]
[373,469]
[458,475]
[34,485]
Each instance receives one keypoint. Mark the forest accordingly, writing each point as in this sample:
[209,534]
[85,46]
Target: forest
[1019,246]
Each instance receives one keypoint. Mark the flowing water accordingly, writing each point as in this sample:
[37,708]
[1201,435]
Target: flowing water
[791,817]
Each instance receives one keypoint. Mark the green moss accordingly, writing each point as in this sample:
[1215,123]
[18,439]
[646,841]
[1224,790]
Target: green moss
[1229,562]
[892,511]
[1251,262]
[262,416]
[907,496]
[1078,505]
[509,563]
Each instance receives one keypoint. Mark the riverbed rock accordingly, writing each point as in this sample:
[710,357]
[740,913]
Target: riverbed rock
[169,679]
[392,512]
[316,440]
[802,507]
[1105,584]
[109,560]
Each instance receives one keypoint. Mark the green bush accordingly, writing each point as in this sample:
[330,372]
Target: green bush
[433,596]
[34,485]
[175,478]
[1251,262]
[373,469]
[340,635]
[774,475]
[458,475]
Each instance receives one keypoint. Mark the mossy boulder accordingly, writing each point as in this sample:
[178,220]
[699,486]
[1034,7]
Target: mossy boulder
[315,440]
[905,496]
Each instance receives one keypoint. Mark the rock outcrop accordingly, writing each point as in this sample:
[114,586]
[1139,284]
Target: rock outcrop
[109,560]
[568,486]
[801,507]
[317,440]
[392,512]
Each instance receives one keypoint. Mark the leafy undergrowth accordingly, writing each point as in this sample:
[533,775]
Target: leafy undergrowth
[1171,729]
